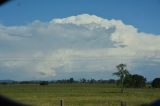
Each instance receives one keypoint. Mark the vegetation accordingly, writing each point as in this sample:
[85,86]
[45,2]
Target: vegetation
[156,83]
[76,94]
[122,73]
[84,92]
[43,83]
[135,81]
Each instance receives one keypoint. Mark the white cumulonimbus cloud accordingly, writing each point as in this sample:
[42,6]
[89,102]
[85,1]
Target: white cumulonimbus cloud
[77,46]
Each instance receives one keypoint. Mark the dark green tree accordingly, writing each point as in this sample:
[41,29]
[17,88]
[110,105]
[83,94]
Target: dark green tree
[156,83]
[122,73]
[71,80]
[135,81]
[128,81]
[44,83]
[83,80]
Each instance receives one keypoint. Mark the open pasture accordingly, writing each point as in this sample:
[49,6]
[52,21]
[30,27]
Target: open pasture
[78,94]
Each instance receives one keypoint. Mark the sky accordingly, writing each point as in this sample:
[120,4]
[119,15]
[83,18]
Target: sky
[58,39]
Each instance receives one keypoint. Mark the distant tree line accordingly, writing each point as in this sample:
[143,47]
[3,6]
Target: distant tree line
[126,80]
[87,81]
[63,81]
[130,81]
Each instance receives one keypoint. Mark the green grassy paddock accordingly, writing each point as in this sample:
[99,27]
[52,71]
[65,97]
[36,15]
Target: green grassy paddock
[78,94]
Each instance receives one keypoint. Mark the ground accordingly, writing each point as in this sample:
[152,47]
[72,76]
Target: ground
[78,94]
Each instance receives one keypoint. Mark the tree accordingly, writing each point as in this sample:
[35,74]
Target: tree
[92,81]
[122,73]
[128,81]
[43,83]
[83,80]
[71,80]
[156,83]
[136,81]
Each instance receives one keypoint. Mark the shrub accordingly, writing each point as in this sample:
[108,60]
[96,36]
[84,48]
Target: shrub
[156,83]
[136,81]
[44,83]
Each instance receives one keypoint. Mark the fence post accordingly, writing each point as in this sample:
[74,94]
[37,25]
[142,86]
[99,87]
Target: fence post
[61,103]
[123,103]
[108,103]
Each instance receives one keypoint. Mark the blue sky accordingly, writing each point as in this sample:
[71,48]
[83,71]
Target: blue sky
[55,39]
[143,14]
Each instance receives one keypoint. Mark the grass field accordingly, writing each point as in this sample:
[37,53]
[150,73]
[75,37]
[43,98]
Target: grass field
[78,94]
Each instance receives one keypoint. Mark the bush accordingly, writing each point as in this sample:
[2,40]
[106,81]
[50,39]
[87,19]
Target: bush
[44,83]
[156,83]
[136,81]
